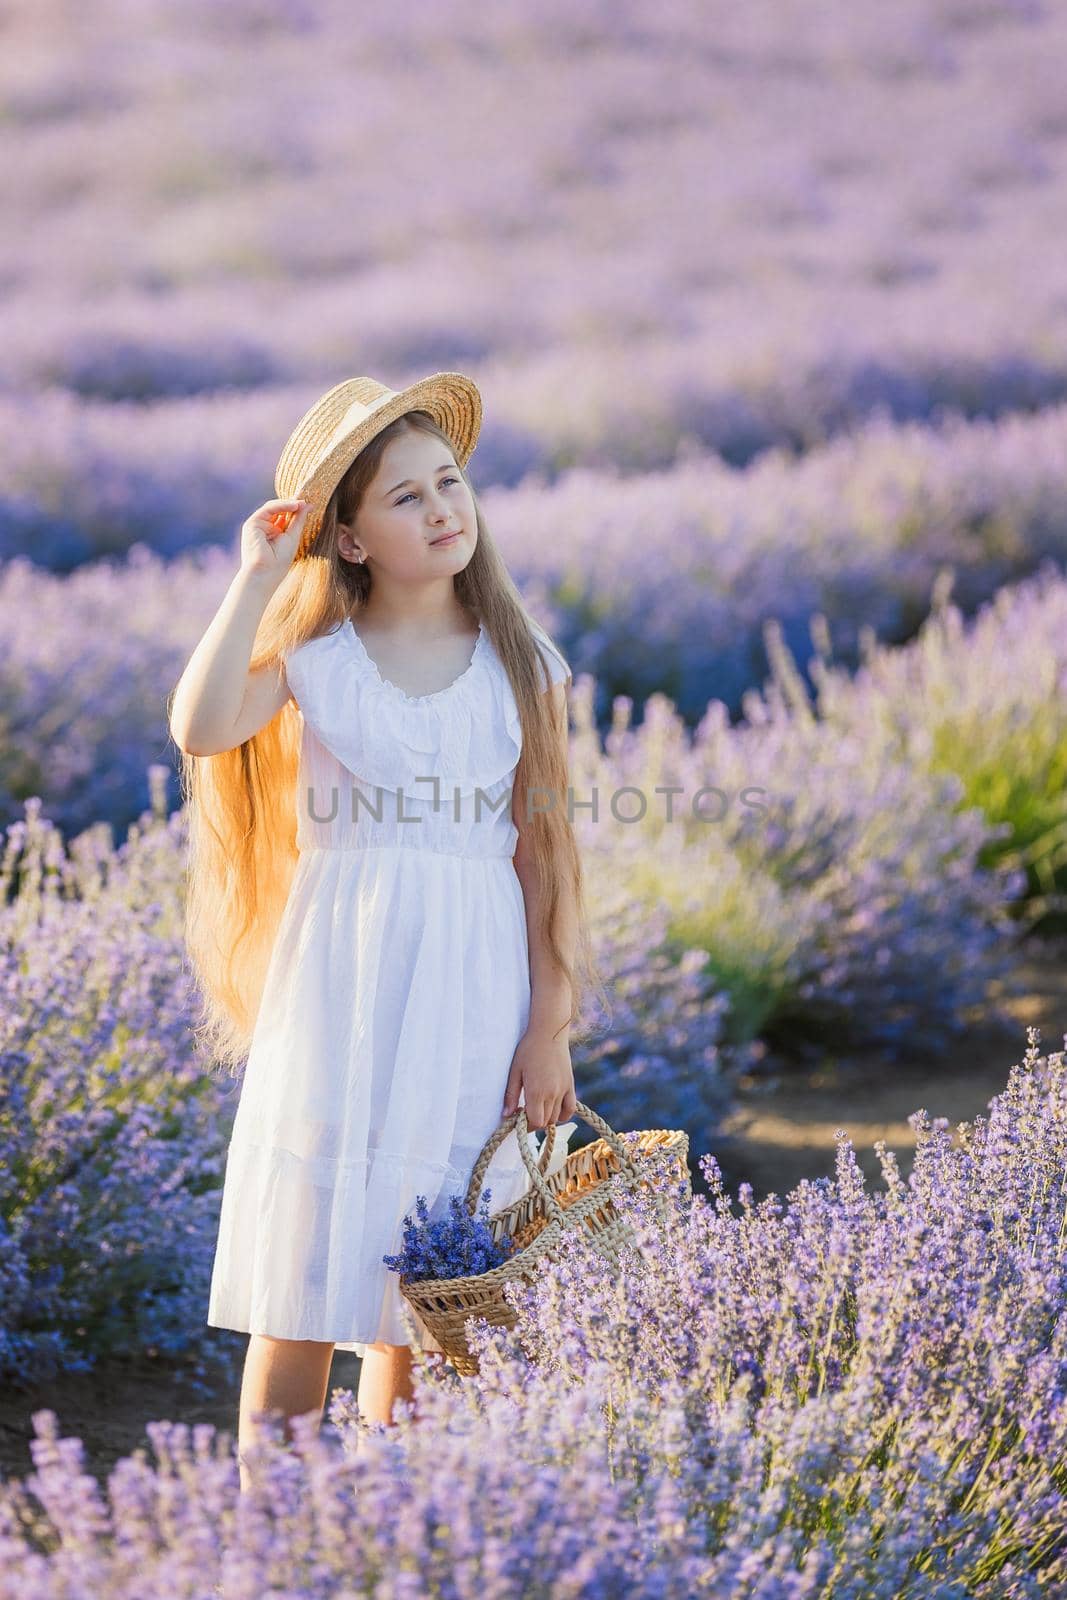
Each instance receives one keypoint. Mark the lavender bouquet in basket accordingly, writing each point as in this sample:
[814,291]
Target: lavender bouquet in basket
[461,1245]
[455,1246]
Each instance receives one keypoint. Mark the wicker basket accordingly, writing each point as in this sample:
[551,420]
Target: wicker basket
[575,1196]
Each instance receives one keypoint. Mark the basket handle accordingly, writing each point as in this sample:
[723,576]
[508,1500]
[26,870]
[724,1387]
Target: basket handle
[495,1139]
[517,1120]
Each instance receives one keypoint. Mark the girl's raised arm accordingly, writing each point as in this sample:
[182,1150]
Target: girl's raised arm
[218,703]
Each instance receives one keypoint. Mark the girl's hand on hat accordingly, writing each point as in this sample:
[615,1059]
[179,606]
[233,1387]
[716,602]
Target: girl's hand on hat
[271,536]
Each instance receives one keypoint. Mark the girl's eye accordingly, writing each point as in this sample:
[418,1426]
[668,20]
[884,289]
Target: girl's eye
[410,492]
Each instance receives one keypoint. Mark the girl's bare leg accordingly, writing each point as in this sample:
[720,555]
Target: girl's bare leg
[385,1376]
[286,1375]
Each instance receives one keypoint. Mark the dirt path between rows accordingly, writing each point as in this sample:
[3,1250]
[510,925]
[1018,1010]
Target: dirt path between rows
[779,1133]
[783,1131]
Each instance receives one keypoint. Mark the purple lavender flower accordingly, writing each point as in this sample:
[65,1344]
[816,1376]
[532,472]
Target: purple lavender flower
[457,1245]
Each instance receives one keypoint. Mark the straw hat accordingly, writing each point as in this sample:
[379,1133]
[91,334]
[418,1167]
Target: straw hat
[330,435]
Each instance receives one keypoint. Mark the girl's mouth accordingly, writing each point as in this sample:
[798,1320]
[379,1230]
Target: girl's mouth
[446,538]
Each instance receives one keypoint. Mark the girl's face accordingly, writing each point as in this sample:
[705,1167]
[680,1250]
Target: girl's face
[417,495]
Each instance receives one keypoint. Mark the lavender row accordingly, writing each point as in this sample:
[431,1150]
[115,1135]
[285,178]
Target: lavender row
[855,1390]
[81,480]
[665,581]
[198,413]
[800,226]
[657,583]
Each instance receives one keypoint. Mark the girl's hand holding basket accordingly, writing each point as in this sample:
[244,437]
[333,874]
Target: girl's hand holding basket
[579,1195]
[541,1069]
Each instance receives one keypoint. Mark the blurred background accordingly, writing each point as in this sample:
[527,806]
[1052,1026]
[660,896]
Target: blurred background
[768,310]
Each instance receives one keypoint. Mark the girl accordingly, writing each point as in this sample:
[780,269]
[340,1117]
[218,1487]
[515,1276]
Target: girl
[385,899]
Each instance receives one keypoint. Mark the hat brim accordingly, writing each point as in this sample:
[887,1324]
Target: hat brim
[451,398]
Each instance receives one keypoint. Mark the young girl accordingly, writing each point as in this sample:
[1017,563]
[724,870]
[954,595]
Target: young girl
[385,899]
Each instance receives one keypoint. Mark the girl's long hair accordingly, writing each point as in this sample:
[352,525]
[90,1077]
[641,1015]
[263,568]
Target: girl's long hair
[242,803]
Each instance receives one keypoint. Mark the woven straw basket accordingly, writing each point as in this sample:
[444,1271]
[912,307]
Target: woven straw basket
[575,1196]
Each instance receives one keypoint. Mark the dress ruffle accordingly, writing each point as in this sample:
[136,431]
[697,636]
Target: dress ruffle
[467,735]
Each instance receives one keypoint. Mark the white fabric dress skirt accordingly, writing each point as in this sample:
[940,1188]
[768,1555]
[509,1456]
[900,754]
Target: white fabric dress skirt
[397,991]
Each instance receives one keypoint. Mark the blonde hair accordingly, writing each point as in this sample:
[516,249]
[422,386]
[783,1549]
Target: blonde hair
[242,802]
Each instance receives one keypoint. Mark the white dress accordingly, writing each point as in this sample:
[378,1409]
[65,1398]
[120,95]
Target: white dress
[397,991]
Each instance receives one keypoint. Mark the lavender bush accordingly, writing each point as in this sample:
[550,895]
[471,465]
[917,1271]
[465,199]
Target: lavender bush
[835,889]
[112,1133]
[661,1057]
[846,1392]
[84,679]
[978,722]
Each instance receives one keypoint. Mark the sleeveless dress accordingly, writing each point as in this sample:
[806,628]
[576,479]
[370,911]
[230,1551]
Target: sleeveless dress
[397,990]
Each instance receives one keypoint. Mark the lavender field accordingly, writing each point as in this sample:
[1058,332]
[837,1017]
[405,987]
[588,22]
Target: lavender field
[855,1394]
[768,313]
